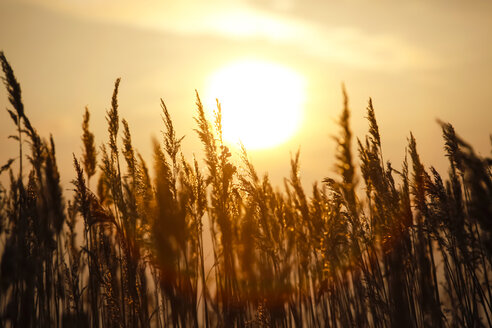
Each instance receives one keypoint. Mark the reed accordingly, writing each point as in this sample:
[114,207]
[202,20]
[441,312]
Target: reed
[370,246]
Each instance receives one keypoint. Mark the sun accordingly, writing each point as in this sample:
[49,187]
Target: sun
[262,102]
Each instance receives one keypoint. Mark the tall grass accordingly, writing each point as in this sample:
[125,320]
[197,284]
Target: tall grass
[371,246]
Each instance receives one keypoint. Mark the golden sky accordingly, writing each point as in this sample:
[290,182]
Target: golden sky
[418,60]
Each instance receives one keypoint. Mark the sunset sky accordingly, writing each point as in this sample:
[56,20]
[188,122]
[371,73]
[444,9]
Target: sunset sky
[419,61]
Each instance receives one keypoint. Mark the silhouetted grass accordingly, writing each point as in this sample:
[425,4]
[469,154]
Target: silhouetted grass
[415,251]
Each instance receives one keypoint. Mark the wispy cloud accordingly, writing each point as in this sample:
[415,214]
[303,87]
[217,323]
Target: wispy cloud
[237,19]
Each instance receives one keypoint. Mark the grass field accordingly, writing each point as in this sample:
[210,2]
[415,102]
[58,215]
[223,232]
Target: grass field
[378,245]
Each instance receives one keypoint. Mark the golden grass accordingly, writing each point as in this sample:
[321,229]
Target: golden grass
[415,252]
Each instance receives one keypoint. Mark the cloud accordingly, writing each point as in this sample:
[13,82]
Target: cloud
[239,19]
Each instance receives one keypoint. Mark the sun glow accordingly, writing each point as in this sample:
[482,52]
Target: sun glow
[261,102]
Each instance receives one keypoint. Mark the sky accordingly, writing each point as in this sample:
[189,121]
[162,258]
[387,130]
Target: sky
[418,60]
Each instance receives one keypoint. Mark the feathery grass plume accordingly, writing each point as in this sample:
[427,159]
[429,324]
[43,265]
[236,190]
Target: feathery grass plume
[365,168]
[122,209]
[373,124]
[89,152]
[171,143]
[102,189]
[387,296]
[108,180]
[304,229]
[112,118]
[261,246]
[31,224]
[111,162]
[218,120]
[222,211]
[192,199]
[17,187]
[429,292]
[295,181]
[144,190]
[419,175]
[206,136]
[372,166]
[81,198]
[82,204]
[346,170]
[200,193]
[13,87]
[184,219]
[168,231]
[451,146]
[250,169]
[344,154]
[53,189]
[476,176]
[344,158]
[130,184]
[456,222]
[15,99]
